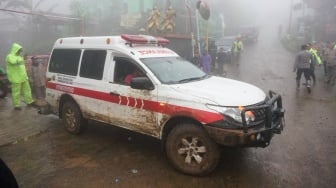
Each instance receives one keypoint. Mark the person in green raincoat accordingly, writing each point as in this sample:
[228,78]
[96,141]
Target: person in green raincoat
[17,76]
[316,59]
[237,48]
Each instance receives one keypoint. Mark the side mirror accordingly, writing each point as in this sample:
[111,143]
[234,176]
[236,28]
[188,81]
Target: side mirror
[142,83]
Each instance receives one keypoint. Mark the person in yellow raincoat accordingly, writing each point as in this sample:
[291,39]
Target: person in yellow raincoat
[237,48]
[17,76]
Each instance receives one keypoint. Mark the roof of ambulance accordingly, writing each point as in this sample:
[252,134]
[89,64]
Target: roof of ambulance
[115,43]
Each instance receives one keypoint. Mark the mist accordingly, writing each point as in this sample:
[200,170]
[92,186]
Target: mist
[38,23]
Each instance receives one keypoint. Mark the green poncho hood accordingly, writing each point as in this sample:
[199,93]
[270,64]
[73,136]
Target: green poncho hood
[15,48]
[16,69]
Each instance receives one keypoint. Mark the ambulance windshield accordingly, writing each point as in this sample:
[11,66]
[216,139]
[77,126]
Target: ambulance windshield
[174,70]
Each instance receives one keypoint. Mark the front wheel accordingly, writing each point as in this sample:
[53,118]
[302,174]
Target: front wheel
[72,118]
[190,150]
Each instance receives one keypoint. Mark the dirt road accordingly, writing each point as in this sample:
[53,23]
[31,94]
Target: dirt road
[304,155]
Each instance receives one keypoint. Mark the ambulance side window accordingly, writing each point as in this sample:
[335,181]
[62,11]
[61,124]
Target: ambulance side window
[92,65]
[123,68]
[65,61]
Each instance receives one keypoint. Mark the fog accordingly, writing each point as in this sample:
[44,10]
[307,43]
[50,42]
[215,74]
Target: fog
[37,33]
[263,12]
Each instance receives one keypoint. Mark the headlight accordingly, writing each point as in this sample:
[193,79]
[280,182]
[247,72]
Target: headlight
[233,112]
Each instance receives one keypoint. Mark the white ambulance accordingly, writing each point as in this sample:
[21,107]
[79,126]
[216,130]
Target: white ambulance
[134,82]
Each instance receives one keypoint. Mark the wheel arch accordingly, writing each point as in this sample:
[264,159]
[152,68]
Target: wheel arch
[172,123]
[63,99]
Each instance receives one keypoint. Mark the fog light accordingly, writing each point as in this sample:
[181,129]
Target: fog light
[249,116]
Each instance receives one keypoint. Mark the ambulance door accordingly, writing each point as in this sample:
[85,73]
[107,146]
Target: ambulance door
[91,84]
[135,109]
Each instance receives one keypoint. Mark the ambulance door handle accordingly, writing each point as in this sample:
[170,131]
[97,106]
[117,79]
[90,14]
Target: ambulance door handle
[115,94]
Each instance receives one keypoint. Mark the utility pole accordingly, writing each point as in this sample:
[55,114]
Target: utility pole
[188,6]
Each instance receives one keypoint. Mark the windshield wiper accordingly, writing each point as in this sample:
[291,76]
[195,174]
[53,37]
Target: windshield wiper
[192,79]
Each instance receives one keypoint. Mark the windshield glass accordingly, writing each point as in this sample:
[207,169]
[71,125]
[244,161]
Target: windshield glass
[225,43]
[174,70]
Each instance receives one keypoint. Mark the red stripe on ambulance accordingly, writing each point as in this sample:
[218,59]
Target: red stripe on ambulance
[164,108]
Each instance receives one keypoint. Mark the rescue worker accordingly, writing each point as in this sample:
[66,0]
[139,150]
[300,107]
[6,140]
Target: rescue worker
[323,48]
[330,57]
[17,76]
[315,60]
[238,47]
[302,65]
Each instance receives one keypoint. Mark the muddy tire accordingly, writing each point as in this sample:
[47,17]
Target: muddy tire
[191,151]
[72,118]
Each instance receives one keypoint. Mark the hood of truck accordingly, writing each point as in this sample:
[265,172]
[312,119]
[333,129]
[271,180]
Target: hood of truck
[222,91]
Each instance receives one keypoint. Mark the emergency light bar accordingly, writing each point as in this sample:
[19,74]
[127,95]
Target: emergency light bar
[144,39]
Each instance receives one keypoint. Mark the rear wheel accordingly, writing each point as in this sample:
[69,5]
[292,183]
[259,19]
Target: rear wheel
[191,150]
[72,118]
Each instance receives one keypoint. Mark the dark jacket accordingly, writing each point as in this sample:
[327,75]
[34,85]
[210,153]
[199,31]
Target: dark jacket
[220,57]
[302,60]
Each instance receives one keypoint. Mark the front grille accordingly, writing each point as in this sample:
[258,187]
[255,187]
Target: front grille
[260,114]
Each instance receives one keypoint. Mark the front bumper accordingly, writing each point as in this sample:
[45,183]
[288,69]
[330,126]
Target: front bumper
[256,136]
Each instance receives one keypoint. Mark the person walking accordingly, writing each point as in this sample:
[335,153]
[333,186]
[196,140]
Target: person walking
[206,62]
[312,48]
[324,47]
[330,57]
[302,65]
[17,76]
[238,47]
[38,78]
[220,61]
[213,52]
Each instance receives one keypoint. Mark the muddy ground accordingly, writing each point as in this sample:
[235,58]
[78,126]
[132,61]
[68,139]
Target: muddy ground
[304,155]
